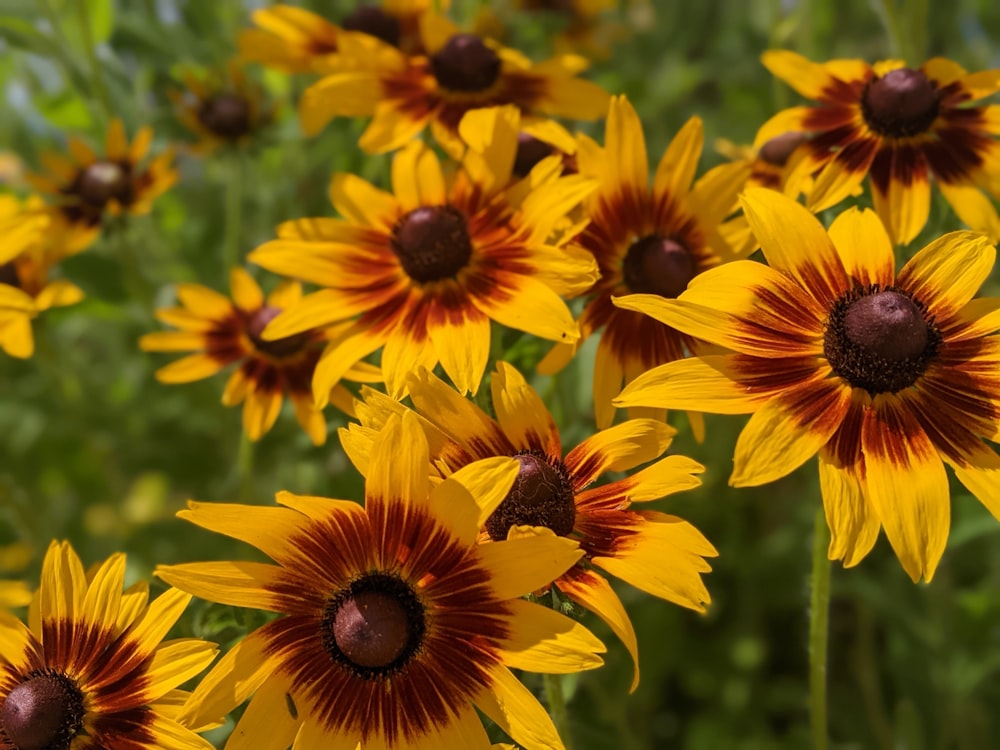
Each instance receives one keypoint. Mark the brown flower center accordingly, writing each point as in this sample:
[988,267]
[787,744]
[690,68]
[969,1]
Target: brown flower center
[374,626]
[104,181]
[777,150]
[880,339]
[465,63]
[45,712]
[8,275]
[286,347]
[226,115]
[530,151]
[540,496]
[658,265]
[432,243]
[374,22]
[901,103]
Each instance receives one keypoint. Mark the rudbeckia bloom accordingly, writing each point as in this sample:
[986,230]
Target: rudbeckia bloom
[900,126]
[661,554]
[221,109]
[222,332]
[645,239]
[27,290]
[292,40]
[429,267]
[885,375]
[86,187]
[92,670]
[395,625]
[460,72]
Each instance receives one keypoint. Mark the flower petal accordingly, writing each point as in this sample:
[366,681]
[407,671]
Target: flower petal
[618,448]
[864,247]
[853,524]
[400,464]
[513,708]
[524,564]
[947,273]
[540,639]
[695,384]
[522,414]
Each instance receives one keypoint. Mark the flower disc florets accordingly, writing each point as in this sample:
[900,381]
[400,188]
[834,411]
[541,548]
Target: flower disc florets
[901,103]
[45,712]
[465,63]
[540,496]
[432,243]
[658,265]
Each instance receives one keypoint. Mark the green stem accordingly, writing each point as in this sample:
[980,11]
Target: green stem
[122,235]
[244,467]
[819,621]
[234,214]
[557,707]
[96,76]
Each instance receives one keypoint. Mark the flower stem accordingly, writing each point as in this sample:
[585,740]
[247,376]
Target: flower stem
[96,77]
[234,214]
[244,467]
[819,621]
[557,707]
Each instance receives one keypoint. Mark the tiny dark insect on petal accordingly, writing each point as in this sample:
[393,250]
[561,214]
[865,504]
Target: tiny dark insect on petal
[292,710]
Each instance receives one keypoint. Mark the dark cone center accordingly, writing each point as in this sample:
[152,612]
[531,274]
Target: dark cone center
[44,712]
[374,22]
[465,63]
[285,347]
[540,496]
[8,275]
[226,115]
[777,150]
[530,151]
[432,243]
[103,181]
[880,340]
[658,265]
[901,103]
[374,625]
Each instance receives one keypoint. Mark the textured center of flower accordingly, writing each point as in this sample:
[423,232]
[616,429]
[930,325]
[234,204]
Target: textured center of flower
[375,625]
[540,496]
[777,150]
[879,340]
[285,347]
[8,275]
[375,22]
[465,63]
[658,265]
[103,181]
[901,103]
[530,151]
[226,115]
[45,712]
[432,243]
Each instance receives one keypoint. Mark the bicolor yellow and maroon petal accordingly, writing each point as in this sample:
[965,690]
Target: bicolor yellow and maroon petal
[522,414]
[947,273]
[864,248]
[853,524]
[618,448]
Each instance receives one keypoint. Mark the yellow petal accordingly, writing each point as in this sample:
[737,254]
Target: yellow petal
[361,203]
[260,412]
[486,482]
[400,464]
[973,208]
[461,340]
[513,708]
[542,640]
[246,291]
[238,584]
[680,161]
[853,524]
[521,413]
[864,247]
[269,529]
[947,273]
[906,202]
[696,384]
[189,369]
[618,448]
[417,179]
[521,565]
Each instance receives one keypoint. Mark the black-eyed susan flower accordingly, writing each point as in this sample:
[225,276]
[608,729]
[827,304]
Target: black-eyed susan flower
[659,553]
[884,375]
[403,94]
[645,239]
[93,671]
[27,289]
[428,267]
[899,126]
[292,40]
[22,225]
[222,332]
[85,188]
[222,109]
[395,625]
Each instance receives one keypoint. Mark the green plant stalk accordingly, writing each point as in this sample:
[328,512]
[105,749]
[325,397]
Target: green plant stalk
[556,701]
[234,214]
[244,468]
[819,626]
[96,76]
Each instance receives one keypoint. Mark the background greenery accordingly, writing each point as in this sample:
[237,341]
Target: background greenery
[93,449]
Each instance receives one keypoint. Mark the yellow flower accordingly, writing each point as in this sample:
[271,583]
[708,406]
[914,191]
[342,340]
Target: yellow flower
[395,625]
[223,332]
[404,94]
[887,376]
[661,554]
[91,671]
[428,267]
[899,126]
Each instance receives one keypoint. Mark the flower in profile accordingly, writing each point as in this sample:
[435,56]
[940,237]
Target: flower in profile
[92,670]
[884,375]
[86,188]
[428,267]
[221,109]
[460,72]
[292,40]
[395,624]
[899,126]
[648,240]
[659,553]
[222,332]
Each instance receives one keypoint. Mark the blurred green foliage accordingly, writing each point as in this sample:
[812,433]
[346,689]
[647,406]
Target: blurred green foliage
[93,449]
